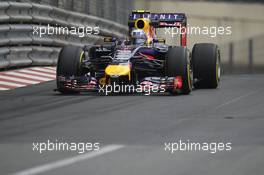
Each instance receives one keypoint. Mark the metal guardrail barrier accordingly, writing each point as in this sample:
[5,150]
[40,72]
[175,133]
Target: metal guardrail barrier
[19,46]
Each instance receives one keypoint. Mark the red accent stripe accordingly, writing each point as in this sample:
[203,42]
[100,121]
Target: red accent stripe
[178,82]
[13,81]
[150,57]
[8,87]
[183,36]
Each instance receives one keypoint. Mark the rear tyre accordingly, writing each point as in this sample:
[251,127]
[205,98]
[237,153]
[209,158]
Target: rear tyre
[69,64]
[177,64]
[206,65]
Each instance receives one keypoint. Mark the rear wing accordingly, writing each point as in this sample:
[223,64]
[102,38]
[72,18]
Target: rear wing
[160,19]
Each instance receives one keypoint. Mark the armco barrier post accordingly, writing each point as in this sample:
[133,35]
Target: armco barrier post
[231,57]
[250,56]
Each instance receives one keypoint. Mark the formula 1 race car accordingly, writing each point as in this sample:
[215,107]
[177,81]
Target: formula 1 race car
[141,60]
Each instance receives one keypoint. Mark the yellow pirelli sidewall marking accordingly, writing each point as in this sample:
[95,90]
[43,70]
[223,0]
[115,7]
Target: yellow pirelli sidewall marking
[81,56]
[118,70]
[188,76]
[217,76]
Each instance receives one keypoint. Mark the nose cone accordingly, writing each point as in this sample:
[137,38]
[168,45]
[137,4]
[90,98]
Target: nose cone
[117,70]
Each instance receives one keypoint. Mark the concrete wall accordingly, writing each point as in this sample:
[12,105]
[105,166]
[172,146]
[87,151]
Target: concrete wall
[246,20]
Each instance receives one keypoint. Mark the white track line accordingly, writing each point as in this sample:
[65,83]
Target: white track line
[19,74]
[69,161]
[11,84]
[238,98]
[44,70]
[19,80]
[37,73]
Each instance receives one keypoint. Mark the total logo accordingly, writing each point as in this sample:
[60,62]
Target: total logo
[158,16]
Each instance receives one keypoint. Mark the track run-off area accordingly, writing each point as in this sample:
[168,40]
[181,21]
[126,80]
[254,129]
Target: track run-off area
[132,130]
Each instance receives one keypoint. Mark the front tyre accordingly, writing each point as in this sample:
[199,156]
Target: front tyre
[206,65]
[69,64]
[178,65]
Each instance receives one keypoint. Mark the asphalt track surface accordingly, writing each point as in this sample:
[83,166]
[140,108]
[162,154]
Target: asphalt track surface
[132,130]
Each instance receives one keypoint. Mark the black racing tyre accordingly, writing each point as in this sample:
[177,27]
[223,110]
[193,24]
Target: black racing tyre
[69,64]
[92,52]
[206,65]
[177,64]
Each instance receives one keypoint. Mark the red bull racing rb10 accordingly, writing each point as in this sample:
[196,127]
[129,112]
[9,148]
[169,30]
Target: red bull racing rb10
[142,60]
